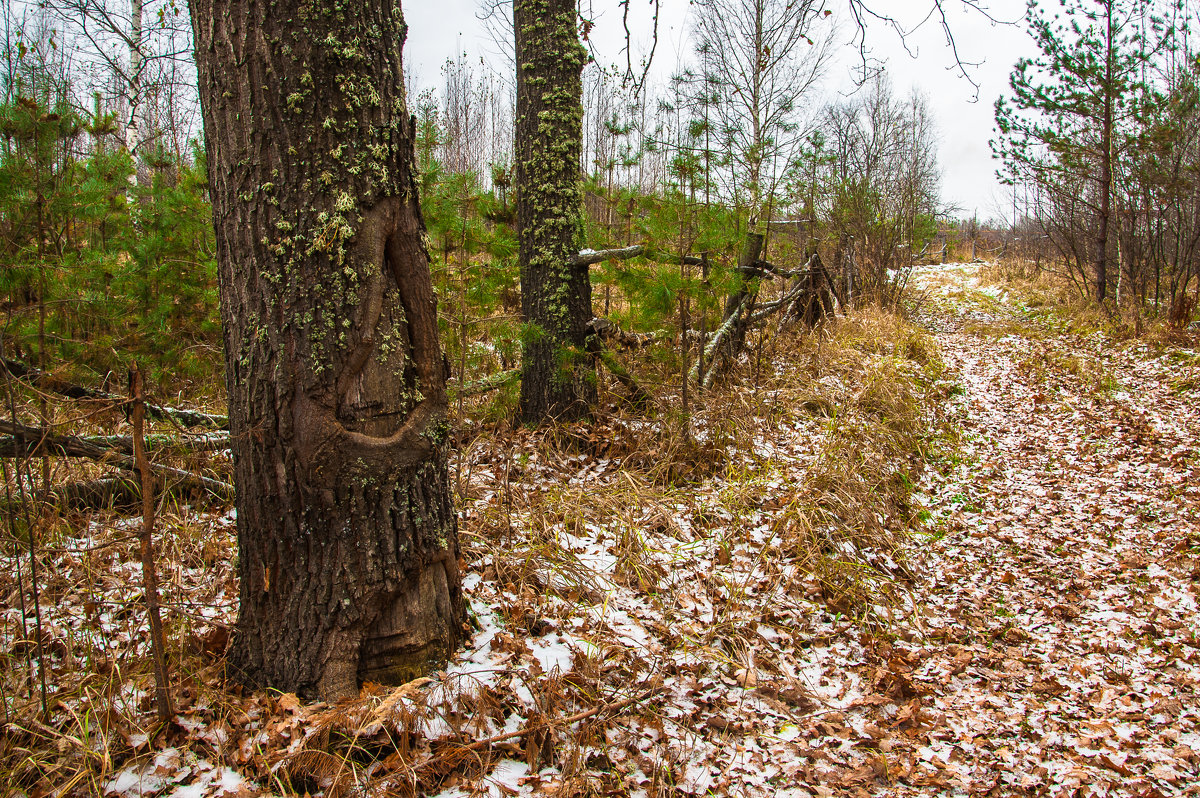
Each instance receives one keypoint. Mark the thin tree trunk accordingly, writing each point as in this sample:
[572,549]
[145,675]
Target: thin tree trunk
[162,695]
[133,132]
[1106,157]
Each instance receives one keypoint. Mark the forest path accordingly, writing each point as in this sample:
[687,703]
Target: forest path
[1062,572]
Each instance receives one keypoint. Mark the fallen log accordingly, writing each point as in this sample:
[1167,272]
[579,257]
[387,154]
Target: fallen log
[117,491]
[11,447]
[97,494]
[48,382]
[43,443]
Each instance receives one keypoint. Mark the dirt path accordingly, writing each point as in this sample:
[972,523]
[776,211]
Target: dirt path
[1060,653]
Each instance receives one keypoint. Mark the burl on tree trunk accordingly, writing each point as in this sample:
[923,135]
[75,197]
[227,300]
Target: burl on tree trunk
[347,540]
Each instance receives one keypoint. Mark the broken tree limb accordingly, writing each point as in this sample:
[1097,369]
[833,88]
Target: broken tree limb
[610,331]
[768,309]
[589,257]
[637,394]
[710,351]
[48,382]
[772,270]
[814,300]
[723,347]
[805,276]
[41,442]
[116,490]
[97,494]
[730,336]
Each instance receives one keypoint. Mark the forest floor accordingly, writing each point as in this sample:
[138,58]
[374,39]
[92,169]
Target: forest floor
[958,562]
[1058,645]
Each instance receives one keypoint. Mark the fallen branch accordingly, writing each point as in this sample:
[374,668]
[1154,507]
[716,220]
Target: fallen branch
[487,384]
[567,721]
[637,394]
[732,332]
[768,309]
[611,331]
[770,269]
[116,490]
[41,442]
[97,494]
[49,382]
[714,343]
[10,447]
[589,257]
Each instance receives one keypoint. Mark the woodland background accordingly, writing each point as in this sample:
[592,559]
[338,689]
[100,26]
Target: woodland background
[108,255]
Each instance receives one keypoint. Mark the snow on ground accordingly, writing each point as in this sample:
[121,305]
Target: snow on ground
[1040,637]
[1053,645]
[1060,646]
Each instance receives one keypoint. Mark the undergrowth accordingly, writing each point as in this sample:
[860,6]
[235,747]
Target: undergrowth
[609,563]
[1055,301]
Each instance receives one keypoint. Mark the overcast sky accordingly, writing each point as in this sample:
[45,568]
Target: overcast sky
[440,28]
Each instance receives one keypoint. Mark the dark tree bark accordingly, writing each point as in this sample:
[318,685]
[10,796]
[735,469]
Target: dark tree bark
[558,378]
[1106,160]
[348,547]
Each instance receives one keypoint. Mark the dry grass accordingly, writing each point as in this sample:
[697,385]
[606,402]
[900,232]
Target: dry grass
[1056,302]
[864,392]
[787,487]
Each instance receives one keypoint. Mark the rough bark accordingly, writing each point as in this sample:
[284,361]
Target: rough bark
[814,293]
[558,380]
[739,305]
[348,546]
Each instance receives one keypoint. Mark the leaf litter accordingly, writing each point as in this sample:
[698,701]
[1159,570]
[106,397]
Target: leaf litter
[736,608]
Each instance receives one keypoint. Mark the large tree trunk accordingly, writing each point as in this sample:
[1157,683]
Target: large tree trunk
[347,542]
[558,379]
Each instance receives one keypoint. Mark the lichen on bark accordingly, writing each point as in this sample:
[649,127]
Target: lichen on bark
[348,550]
[558,377]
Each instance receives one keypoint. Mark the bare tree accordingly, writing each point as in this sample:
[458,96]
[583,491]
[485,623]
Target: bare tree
[138,55]
[760,58]
[884,180]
